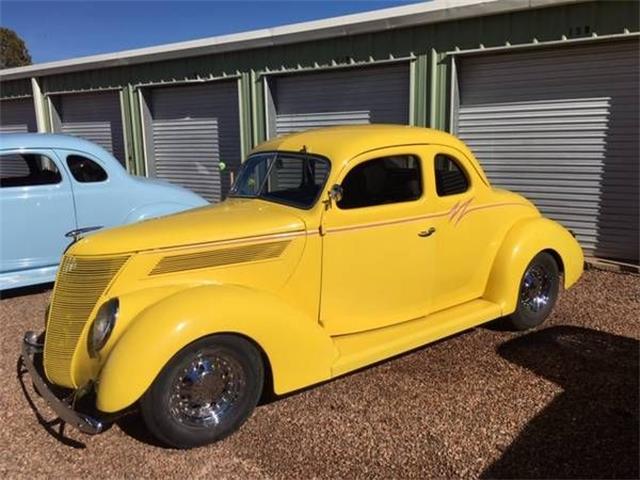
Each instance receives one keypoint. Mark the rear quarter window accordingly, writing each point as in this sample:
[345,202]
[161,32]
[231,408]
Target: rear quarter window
[85,170]
[451,178]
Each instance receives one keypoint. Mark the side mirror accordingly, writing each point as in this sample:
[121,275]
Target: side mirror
[335,193]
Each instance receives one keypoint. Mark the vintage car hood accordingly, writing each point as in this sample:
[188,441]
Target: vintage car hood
[231,219]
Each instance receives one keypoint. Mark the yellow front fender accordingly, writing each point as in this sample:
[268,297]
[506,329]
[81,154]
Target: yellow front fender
[298,350]
[525,240]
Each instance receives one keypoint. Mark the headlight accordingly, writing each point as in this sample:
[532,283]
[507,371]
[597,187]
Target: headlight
[102,326]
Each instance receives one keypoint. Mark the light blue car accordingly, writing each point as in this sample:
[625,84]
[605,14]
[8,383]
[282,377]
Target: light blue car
[55,187]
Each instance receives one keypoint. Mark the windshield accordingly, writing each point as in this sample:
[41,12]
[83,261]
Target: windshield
[291,178]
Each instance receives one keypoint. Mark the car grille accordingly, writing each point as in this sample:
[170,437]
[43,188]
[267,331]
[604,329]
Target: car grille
[79,284]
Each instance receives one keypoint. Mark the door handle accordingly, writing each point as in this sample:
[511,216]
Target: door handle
[427,233]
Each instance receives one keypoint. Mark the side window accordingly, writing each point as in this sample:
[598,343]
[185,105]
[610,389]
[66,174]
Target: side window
[450,177]
[27,169]
[85,170]
[382,181]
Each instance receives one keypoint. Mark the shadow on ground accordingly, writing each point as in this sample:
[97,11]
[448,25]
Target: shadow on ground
[23,291]
[590,430]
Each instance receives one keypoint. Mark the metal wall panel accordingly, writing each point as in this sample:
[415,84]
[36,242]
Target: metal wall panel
[17,116]
[561,127]
[340,97]
[192,129]
[96,117]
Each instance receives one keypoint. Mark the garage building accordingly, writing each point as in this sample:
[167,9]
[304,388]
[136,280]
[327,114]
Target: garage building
[545,92]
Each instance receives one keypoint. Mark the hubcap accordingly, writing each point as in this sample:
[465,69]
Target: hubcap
[207,389]
[536,288]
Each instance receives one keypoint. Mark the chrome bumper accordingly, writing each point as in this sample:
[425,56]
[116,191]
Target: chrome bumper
[81,421]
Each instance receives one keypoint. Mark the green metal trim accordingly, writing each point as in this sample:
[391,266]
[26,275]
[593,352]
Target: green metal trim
[259,113]
[246,125]
[16,97]
[125,110]
[47,115]
[419,89]
[75,92]
[15,89]
[177,83]
[336,66]
[412,93]
[136,131]
[439,91]
[548,44]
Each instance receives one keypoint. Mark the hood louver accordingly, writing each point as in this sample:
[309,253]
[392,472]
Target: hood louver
[220,257]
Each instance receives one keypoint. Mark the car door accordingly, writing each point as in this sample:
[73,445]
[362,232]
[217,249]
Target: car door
[375,261]
[466,230]
[36,210]
[100,196]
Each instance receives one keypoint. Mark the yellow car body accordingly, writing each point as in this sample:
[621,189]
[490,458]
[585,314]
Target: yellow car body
[320,291]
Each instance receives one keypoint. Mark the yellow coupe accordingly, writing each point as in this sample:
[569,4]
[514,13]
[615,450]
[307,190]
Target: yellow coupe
[336,248]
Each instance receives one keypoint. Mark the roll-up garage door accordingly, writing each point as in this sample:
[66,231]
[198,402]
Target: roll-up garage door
[96,117]
[561,127]
[193,129]
[17,116]
[339,97]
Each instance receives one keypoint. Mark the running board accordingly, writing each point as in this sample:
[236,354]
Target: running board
[364,348]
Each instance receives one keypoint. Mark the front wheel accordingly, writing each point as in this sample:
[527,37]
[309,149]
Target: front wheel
[205,392]
[538,293]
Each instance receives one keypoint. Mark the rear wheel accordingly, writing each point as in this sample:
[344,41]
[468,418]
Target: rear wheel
[538,292]
[205,392]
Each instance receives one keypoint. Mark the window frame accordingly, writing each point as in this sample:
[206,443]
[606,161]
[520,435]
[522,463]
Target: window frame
[91,159]
[421,179]
[462,168]
[48,155]
[279,201]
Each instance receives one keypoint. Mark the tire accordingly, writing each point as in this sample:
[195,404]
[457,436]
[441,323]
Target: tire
[193,402]
[537,294]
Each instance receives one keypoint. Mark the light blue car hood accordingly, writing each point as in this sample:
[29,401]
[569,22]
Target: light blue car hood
[177,193]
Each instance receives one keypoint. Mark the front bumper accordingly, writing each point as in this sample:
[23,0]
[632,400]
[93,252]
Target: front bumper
[64,409]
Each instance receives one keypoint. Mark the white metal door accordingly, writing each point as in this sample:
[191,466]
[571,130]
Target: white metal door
[193,129]
[17,116]
[561,127]
[96,117]
[378,94]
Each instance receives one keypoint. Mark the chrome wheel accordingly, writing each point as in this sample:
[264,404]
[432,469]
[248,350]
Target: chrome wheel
[207,389]
[536,289]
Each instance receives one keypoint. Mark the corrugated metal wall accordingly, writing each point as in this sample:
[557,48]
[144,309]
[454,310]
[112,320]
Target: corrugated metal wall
[339,97]
[191,130]
[17,116]
[429,76]
[561,127]
[96,117]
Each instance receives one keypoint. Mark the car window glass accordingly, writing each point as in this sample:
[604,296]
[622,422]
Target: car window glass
[381,181]
[85,170]
[450,177]
[27,169]
[290,178]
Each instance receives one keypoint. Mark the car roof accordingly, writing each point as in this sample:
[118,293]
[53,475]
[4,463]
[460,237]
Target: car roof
[11,141]
[341,144]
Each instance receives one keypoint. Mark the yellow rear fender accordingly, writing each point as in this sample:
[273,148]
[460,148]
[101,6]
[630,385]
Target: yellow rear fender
[297,349]
[525,240]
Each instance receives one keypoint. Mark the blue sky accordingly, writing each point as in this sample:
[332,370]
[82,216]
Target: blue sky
[56,30]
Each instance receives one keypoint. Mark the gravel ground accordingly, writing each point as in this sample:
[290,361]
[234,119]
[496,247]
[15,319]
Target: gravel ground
[558,402]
